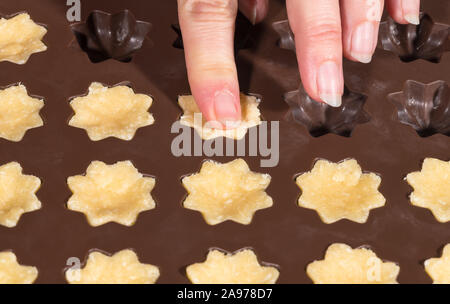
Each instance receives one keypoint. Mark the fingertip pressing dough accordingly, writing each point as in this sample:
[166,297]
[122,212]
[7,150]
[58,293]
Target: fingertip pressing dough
[121,268]
[17,194]
[227,191]
[20,37]
[11,272]
[340,191]
[344,265]
[432,188]
[193,118]
[241,267]
[439,268]
[111,193]
[111,112]
[18,112]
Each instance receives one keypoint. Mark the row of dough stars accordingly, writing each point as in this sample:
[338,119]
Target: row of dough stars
[222,192]
[341,265]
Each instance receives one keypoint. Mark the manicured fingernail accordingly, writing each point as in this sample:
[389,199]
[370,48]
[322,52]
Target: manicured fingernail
[254,14]
[362,42]
[413,19]
[328,83]
[225,109]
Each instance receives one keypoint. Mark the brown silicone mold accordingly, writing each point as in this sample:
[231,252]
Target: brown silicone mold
[320,118]
[104,36]
[425,107]
[428,40]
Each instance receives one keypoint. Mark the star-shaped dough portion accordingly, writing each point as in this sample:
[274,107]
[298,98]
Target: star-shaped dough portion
[228,191]
[344,265]
[439,268]
[17,194]
[340,191]
[241,267]
[11,272]
[193,118]
[18,112]
[111,112]
[20,37]
[432,188]
[111,193]
[121,268]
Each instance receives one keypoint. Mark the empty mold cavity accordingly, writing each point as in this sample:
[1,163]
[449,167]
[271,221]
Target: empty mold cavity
[242,37]
[428,40]
[425,107]
[286,40]
[106,36]
[320,118]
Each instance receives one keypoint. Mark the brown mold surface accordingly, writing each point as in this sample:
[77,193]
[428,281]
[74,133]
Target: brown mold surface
[172,237]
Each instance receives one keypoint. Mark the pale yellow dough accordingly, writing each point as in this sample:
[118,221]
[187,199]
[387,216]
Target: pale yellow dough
[340,191]
[17,194]
[111,112]
[344,265]
[11,272]
[111,193]
[121,268]
[439,268]
[193,118]
[20,37]
[241,267]
[228,191]
[432,188]
[18,112]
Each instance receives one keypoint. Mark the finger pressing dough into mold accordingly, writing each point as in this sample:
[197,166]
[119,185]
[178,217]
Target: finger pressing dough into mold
[17,194]
[439,268]
[121,268]
[111,193]
[344,265]
[11,272]
[193,118]
[432,188]
[340,191]
[111,112]
[241,267]
[18,112]
[228,191]
[20,37]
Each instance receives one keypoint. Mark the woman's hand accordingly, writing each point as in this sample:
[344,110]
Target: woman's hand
[325,31]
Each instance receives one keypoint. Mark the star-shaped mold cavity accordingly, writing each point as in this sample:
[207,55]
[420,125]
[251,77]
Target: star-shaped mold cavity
[192,117]
[121,268]
[432,188]
[106,36]
[20,38]
[242,37]
[241,267]
[439,268]
[227,191]
[340,191]
[320,118]
[17,194]
[425,107]
[111,193]
[287,39]
[11,272]
[19,112]
[344,265]
[428,40]
[111,112]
